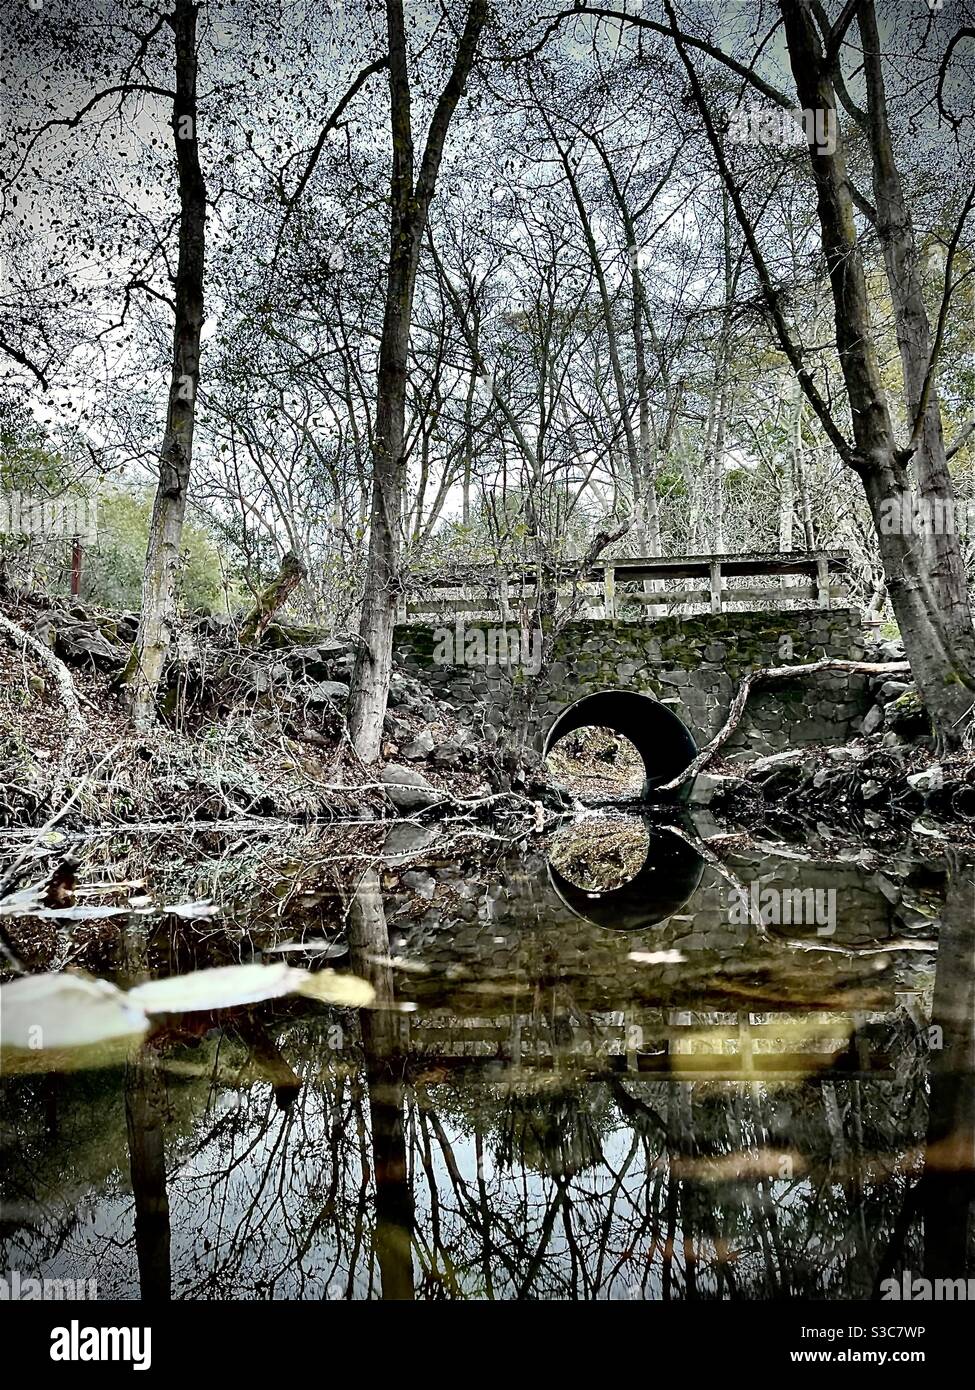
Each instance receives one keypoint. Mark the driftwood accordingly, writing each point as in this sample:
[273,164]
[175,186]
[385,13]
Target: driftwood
[772,673]
[271,599]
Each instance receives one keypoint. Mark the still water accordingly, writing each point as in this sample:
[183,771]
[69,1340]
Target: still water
[603,1068]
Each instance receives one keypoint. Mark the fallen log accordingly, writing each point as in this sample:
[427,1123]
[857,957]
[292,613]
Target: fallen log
[760,677]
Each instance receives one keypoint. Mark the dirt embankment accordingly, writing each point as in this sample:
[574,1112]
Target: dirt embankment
[244,732]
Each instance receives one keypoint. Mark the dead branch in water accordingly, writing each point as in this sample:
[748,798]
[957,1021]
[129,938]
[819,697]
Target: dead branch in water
[772,673]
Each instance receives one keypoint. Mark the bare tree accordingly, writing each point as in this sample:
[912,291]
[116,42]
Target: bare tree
[410,198]
[145,666]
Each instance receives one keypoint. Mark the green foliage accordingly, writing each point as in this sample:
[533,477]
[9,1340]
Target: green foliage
[113,567]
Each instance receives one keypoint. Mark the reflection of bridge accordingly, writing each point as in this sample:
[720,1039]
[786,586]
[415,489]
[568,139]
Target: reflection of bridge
[781,1047]
[646,627]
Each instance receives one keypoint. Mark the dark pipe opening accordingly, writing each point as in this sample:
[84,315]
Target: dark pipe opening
[663,740]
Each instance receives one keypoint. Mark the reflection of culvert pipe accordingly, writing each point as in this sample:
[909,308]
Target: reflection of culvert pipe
[661,737]
[669,875]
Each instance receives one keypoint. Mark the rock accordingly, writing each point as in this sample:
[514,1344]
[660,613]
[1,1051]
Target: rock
[906,715]
[406,840]
[408,789]
[707,786]
[84,641]
[316,739]
[397,728]
[424,885]
[309,661]
[892,651]
[421,747]
[447,754]
[890,690]
[873,719]
[931,779]
[321,692]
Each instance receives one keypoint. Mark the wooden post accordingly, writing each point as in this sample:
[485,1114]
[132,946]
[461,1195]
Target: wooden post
[715,570]
[822,580]
[609,591]
[76,567]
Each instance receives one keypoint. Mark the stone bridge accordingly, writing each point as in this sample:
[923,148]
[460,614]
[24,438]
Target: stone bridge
[664,682]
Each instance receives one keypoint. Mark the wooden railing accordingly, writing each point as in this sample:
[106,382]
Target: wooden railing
[664,585]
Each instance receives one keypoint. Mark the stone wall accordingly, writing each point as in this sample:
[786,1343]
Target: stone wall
[692,663]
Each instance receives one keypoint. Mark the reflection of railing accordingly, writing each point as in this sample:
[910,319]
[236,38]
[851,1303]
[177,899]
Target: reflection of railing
[661,584]
[783,1047]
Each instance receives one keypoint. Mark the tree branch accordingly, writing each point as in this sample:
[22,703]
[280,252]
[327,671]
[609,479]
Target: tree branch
[772,673]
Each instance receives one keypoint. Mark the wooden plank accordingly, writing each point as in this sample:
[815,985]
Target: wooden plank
[675,598]
[736,565]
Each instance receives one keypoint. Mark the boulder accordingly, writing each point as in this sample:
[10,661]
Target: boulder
[421,747]
[872,720]
[891,690]
[408,789]
[321,692]
[931,779]
[447,754]
[708,785]
[423,885]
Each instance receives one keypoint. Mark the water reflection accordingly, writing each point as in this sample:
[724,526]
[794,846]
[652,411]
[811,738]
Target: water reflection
[537,1107]
[609,876]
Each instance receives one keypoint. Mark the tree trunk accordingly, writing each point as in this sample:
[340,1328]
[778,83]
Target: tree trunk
[166,526]
[272,599]
[409,210]
[935,641]
[942,553]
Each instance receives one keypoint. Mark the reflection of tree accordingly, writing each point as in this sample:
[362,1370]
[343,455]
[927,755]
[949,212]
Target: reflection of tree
[385,1041]
[145,1114]
[947,1191]
[508,1167]
[553,1131]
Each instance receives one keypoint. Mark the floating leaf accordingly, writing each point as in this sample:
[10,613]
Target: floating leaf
[329,988]
[80,914]
[41,1012]
[25,902]
[223,987]
[193,911]
[318,948]
[658,957]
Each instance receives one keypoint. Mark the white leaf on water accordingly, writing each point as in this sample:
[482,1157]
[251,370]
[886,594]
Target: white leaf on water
[223,987]
[329,988]
[318,948]
[658,957]
[25,902]
[80,914]
[41,1012]
[193,911]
